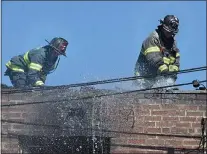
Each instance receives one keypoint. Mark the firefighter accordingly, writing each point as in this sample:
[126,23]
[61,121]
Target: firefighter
[159,53]
[31,68]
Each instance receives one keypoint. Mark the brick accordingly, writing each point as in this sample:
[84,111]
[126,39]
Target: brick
[173,142]
[152,118]
[5,127]
[193,147]
[153,130]
[139,129]
[142,151]
[195,125]
[161,112]
[11,151]
[190,119]
[4,110]
[119,140]
[14,115]
[191,142]
[165,130]
[11,145]
[202,97]
[4,102]
[15,96]
[170,118]
[188,107]
[163,137]
[150,107]
[152,141]
[198,130]
[165,124]
[5,97]
[4,151]
[17,119]
[191,131]
[143,112]
[5,115]
[202,107]
[169,107]
[139,118]
[149,124]
[155,141]
[175,130]
[198,119]
[16,126]
[169,112]
[136,141]
[26,115]
[194,113]
[17,109]
[151,137]
[176,113]
[184,124]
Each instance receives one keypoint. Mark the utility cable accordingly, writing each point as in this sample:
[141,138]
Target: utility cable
[97,130]
[103,81]
[97,96]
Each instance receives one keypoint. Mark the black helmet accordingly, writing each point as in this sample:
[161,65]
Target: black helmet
[170,23]
[59,44]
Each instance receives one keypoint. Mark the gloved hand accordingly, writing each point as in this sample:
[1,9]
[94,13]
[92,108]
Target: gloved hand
[163,69]
[173,68]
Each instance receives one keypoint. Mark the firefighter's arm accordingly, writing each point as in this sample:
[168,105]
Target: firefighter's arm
[154,55]
[34,69]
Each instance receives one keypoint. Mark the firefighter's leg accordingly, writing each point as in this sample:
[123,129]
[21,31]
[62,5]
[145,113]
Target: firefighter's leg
[18,79]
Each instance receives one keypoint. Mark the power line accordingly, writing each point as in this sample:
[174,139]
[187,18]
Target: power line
[105,81]
[98,96]
[99,130]
[15,136]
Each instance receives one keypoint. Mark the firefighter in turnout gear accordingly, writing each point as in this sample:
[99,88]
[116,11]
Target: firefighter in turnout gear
[31,69]
[159,53]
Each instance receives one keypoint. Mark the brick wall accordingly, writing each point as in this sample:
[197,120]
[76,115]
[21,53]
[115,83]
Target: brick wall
[180,116]
[10,143]
[177,119]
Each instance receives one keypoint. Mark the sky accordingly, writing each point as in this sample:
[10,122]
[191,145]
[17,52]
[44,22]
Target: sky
[104,37]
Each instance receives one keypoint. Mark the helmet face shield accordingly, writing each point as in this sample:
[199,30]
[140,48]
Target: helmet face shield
[59,45]
[171,24]
[63,46]
[172,27]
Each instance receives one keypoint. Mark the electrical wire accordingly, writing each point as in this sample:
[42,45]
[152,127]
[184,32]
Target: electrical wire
[98,130]
[15,136]
[97,96]
[103,81]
